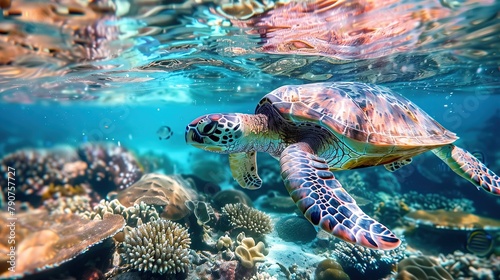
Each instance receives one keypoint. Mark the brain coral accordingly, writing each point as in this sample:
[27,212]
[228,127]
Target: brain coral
[421,267]
[170,192]
[160,246]
[247,218]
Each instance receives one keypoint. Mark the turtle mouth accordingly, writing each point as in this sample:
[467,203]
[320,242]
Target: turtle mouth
[192,136]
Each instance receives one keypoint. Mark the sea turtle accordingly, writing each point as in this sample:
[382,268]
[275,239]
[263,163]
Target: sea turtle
[314,129]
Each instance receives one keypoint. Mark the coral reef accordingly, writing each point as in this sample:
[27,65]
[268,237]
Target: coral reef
[224,242]
[135,215]
[391,212]
[422,267]
[248,253]
[36,170]
[432,201]
[170,192]
[469,266]
[46,241]
[76,205]
[295,229]
[452,220]
[249,219]
[92,169]
[357,260]
[329,269]
[203,212]
[231,196]
[160,246]
[110,167]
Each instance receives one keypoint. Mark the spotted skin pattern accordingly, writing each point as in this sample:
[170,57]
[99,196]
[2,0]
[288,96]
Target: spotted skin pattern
[326,204]
[469,167]
[244,169]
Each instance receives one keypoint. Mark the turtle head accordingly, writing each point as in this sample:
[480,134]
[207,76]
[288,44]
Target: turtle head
[220,133]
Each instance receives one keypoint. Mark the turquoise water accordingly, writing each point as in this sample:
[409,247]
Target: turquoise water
[107,74]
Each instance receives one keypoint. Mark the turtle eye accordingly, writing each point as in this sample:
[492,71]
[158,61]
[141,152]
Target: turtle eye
[209,128]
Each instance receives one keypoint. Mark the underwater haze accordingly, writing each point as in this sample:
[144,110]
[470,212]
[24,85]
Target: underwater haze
[101,179]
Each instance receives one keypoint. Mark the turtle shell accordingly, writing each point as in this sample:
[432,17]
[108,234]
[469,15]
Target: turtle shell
[359,112]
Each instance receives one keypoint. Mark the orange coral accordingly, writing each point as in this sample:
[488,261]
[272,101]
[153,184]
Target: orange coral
[45,241]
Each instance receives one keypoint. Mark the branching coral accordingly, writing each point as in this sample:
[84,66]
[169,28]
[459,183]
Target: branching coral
[469,266]
[247,218]
[36,170]
[110,167]
[134,215]
[159,246]
[367,261]
[77,204]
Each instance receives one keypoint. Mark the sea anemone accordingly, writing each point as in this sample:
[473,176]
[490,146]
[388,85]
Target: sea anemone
[160,246]
[247,218]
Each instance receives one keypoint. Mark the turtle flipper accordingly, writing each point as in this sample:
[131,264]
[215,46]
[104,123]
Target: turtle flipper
[244,169]
[326,204]
[469,167]
[395,165]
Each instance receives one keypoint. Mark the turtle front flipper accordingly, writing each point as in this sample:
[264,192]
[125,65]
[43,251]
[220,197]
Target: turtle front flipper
[326,204]
[469,167]
[244,169]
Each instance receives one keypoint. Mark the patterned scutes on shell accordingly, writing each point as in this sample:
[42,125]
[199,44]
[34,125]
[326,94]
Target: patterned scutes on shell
[160,246]
[362,112]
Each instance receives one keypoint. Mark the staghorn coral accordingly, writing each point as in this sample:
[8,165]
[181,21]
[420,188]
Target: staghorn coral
[134,215]
[247,218]
[170,192]
[421,267]
[469,266]
[364,261]
[160,246]
[248,253]
[45,241]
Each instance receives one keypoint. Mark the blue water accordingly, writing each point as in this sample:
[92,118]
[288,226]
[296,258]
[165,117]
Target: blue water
[74,74]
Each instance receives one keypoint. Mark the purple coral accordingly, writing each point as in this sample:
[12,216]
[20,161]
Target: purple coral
[110,167]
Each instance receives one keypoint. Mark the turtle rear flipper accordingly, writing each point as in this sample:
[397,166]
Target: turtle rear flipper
[326,204]
[244,169]
[469,167]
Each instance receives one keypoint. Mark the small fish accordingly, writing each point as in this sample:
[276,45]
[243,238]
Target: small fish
[479,242]
[164,132]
